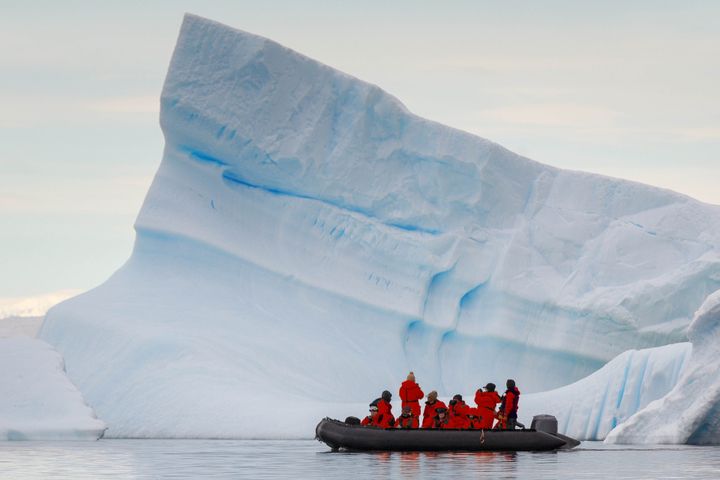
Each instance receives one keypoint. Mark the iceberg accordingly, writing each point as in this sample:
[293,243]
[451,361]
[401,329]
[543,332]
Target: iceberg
[38,402]
[307,240]
[690,413]
[592,407]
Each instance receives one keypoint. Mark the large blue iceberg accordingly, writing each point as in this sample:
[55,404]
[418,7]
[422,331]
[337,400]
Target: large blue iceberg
[307,241]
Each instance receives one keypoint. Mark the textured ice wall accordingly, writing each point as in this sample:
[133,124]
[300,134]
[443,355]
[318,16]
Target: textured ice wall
[690,413]
[306,236]
[592,407]
[37,401]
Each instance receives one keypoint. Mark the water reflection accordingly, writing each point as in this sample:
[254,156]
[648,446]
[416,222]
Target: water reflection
[141,459]
[409,464]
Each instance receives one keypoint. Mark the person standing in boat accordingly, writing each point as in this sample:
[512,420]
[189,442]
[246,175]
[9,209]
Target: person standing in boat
[407,420]
[507,416]
[431,406]
[486,402]
[410,394]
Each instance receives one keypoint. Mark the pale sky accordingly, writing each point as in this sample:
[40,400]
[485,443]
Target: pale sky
[627,89]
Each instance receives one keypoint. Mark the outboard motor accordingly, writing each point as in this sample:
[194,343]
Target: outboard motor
[545,423]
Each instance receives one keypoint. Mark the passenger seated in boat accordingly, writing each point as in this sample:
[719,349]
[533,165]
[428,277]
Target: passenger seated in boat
[372,420]
[410,394]
[473,419]
[486,402]
[441,419]
[407,420]
[458,412]
[431,407]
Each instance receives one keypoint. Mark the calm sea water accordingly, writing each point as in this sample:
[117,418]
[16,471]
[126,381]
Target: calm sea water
[175,459]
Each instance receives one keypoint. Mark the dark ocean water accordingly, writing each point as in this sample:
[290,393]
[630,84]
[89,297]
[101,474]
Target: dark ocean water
[175,459]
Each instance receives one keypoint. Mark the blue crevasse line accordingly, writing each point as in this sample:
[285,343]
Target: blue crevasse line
[598,420]
[471,295]
[641,379]
[237,179]
[626,375]
[205,158]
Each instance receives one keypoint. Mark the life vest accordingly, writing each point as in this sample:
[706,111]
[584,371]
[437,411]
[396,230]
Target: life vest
[510,403]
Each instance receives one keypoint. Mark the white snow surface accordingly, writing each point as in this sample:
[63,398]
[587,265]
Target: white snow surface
[690,413]
[308,238]
[38,402]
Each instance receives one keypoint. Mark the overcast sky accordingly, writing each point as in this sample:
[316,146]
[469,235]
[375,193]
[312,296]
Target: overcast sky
[627,89]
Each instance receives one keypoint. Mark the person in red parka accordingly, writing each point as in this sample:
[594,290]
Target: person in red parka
[372,420]
[431,407]
[473,419]
[407,420]
[441,419]
[385,409]
[507,416]
[410,394]
[458,413]
[486,402]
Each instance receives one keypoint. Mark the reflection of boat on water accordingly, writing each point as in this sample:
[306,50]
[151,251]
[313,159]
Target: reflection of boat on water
[543,436]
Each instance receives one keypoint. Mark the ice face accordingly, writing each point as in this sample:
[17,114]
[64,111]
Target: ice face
[592,407]
[690,412]
[308,238]
[38,402]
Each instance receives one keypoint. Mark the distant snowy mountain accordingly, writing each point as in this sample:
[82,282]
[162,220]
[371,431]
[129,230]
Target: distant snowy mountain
[307,241]
[33,306]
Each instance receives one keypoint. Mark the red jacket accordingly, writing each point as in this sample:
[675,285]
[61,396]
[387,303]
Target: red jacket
[369,421]
[510,403]
[429,413]
[385,413]
[407,422]
[437,424]
[486,402]
[410,393]
[458,415]
[474,423]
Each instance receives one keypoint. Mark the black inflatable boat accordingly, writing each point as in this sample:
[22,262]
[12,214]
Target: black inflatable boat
[543,436]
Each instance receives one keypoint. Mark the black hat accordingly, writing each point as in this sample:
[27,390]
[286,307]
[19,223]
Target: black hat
[457,397]
[490,387]
[386,395]
[510,383]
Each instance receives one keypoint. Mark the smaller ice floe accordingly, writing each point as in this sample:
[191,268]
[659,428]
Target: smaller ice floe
[37,400]
[592,407]
[690,413]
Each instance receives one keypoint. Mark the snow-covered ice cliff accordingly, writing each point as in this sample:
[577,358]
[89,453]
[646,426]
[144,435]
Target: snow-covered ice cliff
[37,401]
[308,238]
[690,413]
